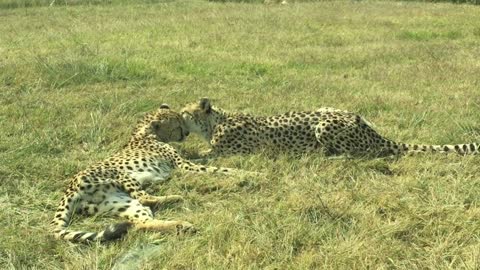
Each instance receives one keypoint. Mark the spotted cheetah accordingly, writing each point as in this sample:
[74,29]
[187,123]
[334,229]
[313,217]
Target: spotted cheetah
[114,187]
[332,131]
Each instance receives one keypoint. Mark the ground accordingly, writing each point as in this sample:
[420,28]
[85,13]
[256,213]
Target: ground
[75,78]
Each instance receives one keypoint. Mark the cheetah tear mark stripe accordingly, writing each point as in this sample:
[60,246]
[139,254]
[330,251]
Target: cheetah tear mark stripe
[461,149]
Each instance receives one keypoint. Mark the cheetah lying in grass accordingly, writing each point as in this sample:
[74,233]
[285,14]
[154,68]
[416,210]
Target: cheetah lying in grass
[114,186]
[333,131]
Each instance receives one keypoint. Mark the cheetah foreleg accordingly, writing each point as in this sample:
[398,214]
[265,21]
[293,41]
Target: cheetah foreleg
[206,154]
[156,201]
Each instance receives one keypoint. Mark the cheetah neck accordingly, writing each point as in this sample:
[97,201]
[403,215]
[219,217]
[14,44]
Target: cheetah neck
[141,132]
[221,115]
[217,117]
[142,139]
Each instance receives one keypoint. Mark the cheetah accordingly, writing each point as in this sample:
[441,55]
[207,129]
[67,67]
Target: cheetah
[328,130]
[114,187]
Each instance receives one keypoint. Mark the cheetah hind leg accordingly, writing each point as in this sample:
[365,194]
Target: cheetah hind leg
[357,140]
[142,218]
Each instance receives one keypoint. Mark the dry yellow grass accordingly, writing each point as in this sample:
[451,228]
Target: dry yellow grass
[74,79]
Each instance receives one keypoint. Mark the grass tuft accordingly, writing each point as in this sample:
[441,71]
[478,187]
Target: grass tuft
[58,74]
[428,35]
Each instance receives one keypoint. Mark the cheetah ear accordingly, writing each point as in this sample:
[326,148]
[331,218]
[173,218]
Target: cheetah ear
[205,105]
[164,106]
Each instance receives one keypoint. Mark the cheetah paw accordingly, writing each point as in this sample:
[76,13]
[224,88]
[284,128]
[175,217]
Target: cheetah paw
[184,227]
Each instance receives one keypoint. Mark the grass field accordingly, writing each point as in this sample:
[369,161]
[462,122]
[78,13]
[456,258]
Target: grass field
[75,78]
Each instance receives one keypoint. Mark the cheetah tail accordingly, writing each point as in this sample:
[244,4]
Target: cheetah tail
[111,232]
[62,219]
[461,149]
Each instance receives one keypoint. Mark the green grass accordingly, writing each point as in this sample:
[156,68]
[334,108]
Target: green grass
[75,78]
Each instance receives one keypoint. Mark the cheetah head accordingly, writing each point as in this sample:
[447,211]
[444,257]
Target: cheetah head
[199,117]
[168,125]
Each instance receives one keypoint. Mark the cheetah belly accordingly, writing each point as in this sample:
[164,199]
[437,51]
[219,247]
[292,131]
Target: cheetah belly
[160,173]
